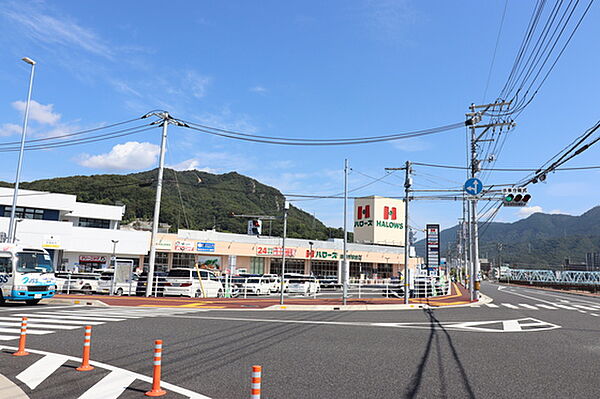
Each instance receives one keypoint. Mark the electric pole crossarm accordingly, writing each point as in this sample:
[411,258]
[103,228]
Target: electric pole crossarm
[263,217]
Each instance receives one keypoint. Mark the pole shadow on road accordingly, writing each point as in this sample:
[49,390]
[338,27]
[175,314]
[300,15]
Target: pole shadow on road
[434,337]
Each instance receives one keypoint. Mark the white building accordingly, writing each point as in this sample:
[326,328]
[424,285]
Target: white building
[74,233]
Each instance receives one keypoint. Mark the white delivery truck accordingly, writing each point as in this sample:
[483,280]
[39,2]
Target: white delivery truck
[26,274]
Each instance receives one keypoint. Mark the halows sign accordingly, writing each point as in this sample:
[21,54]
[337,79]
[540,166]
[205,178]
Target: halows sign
[379,220]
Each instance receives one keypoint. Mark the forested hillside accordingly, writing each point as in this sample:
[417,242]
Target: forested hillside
[191,199]
[539,240]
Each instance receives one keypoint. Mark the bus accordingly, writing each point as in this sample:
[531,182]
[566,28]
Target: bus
[26,274]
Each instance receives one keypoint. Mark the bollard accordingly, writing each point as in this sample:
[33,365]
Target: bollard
[156,391]
[256,378]
[21,351]
[87,341]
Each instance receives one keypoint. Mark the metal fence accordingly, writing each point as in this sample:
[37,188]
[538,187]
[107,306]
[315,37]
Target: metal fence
[552,277]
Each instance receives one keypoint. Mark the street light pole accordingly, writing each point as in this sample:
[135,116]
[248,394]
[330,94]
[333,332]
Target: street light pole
[407,184]
[310,256]
[286,206]
[345,264]
[11,225]
[114,262]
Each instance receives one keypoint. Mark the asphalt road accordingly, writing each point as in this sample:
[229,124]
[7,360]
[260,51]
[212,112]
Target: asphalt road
[527,343]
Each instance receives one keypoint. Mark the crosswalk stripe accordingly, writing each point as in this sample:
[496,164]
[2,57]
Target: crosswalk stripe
[37,325]
[585,307]
[8,337]
[510,306]
[35,374]
[491,305]
[564,306]
[526,306]
[541,305]
[17,331]
[110,387]
[36,319]
[51,315]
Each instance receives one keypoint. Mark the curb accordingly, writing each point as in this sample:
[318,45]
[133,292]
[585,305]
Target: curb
[65,301]
[9,389]
[415,306]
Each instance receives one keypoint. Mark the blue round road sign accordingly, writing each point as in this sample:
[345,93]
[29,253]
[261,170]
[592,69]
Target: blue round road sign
[473,186]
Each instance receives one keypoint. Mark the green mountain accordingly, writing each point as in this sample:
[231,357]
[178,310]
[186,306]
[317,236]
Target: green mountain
[190,199]
[538,240]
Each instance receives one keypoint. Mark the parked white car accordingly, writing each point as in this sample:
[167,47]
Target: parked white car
[127,287]
[274,282]
[256,286]
[306,285]
[185,282]
[77,282]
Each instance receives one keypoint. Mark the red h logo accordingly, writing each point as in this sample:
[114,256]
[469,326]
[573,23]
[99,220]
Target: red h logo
[364,211]
[389,213]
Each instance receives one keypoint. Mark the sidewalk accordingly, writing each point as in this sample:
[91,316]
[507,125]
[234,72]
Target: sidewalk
[459,296]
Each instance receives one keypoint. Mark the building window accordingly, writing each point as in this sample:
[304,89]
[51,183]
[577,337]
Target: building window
[161,262]
[324,268]
[25,213]
[384,270]
[358,268]
[291,266]
[257,265]
[183,260]
[95,223]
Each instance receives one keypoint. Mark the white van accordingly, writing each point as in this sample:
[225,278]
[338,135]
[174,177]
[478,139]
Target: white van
[305,285]
[185,282]
[256,286]
[274,282]
[77,282]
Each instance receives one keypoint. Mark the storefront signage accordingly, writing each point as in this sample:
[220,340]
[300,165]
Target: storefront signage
[164,245]
[205,246]
[275,251]
[333,255]
[92,258]
[51,242]
[433,247]
[184,246]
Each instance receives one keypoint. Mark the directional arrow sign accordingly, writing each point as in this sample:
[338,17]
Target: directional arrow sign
[473,186]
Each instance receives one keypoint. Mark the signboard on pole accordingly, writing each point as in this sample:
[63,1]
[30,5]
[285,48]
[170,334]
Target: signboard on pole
[433,248]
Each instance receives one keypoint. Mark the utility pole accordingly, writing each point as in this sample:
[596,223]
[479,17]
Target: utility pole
[165,119]
[345,264]
[407,184]
[286,206]
[114,264]
[473,118]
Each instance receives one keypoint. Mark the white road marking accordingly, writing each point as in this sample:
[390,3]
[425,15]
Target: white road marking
[67,317]
[34,319]
[460,326]
[510,306]
[558,295]
[35,374]
[169,387]
[111,386]
[38,325]
[594,314]
[541,305]
[491,305]
[8,337]
[584,307]
[526,306]
[511,325]
[29,331]
[564,306]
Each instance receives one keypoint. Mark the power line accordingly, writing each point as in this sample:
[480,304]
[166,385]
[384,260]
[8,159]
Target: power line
[505,169]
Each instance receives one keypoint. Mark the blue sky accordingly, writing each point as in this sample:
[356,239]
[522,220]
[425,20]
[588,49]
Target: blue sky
[293,69]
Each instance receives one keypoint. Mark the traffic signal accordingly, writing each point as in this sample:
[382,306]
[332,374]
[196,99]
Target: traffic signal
[255,227]
[515,196]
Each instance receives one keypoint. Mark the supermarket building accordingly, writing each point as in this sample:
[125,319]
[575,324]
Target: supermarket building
[82,236]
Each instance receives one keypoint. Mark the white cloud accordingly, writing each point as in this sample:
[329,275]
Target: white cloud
[412,145]
[258,89]
[128,156]
[196,84]
[192,164]
[8,129]
[41,27]
[529,210]
[40,113]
